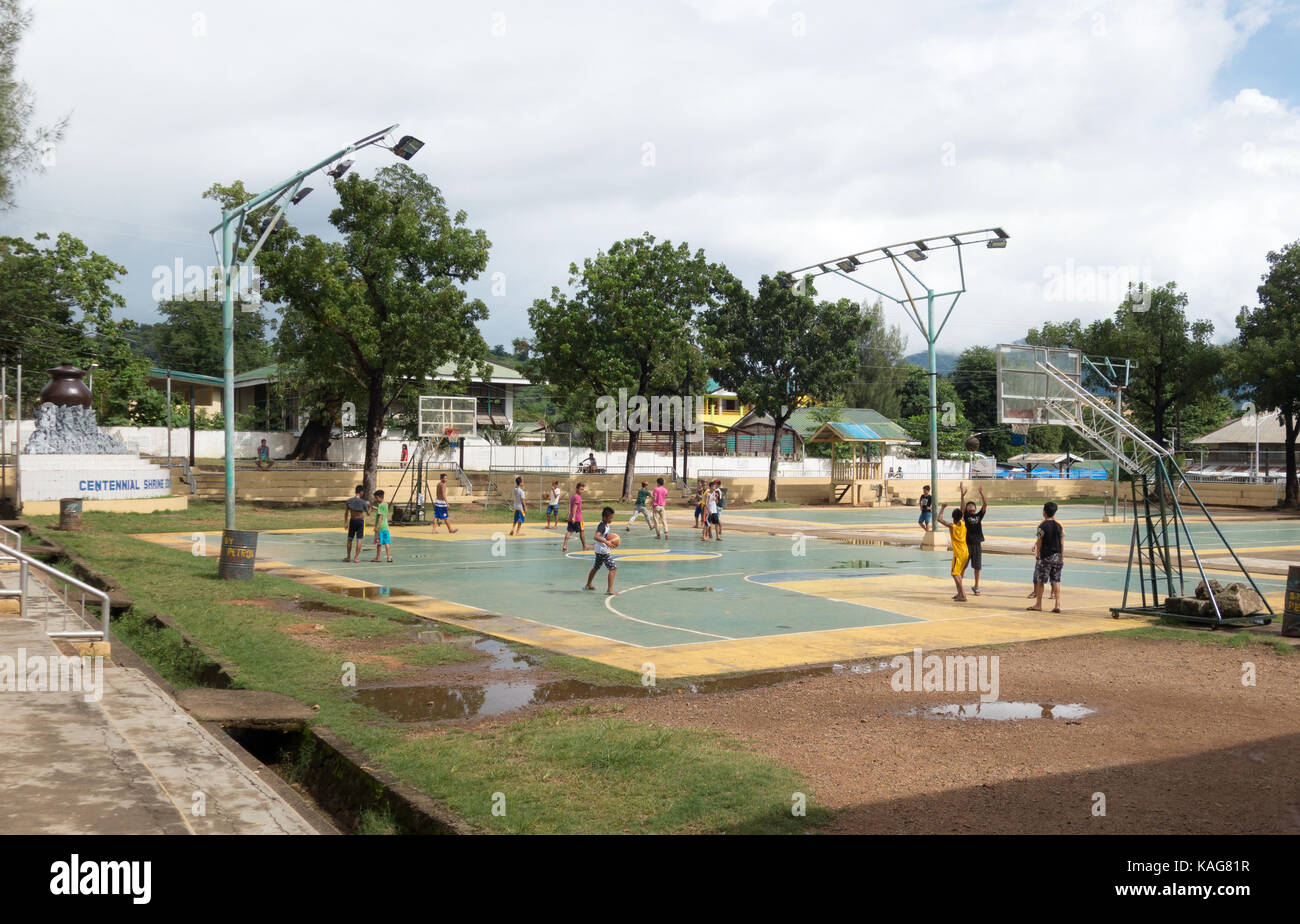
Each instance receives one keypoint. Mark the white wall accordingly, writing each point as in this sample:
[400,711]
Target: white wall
[482,456]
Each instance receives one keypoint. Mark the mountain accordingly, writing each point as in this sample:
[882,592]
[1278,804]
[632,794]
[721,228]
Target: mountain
[944,362]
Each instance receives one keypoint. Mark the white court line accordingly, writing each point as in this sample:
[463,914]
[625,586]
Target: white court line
[609,605]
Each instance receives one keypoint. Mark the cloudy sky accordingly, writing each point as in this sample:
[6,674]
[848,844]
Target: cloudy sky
[1152,140]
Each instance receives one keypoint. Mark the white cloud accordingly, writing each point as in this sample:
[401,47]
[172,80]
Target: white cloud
[1092,132]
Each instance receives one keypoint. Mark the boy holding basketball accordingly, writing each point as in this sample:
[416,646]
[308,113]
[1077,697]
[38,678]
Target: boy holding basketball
[604,542]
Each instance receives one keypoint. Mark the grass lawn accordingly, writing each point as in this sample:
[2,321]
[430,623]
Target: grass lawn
[582,769]
[1239,639]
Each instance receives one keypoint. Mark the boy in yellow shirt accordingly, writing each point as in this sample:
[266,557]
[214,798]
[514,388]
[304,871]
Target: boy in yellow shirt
[960,554]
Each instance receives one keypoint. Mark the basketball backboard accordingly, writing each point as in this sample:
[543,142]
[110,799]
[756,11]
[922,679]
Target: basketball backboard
[1027,394]
[440,413]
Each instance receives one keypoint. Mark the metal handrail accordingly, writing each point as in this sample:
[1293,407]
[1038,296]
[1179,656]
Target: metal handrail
[6,533]
[26,563]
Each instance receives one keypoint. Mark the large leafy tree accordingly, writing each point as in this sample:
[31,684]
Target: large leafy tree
[56,305]
[22,145]
[629,314]
[974,379]
[1266,367]
[779,347]
[382,308]
[914,413]
[301,349]
[1178,365]
[881,369]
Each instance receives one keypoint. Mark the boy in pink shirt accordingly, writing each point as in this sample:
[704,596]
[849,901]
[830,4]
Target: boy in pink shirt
[659,500]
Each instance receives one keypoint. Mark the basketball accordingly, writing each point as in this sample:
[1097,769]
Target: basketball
[973,442]
[612,540]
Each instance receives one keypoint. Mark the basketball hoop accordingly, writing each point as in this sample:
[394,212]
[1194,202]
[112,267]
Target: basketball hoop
[453,436]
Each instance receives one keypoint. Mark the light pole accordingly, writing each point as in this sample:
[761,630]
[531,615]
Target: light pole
[916,250]
[231,227]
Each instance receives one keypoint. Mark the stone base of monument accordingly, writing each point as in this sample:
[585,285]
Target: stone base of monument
[103,482]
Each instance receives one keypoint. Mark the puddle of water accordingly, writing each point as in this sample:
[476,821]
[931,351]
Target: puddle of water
[436,702]
[861,668]
[1006,711]
[369,592]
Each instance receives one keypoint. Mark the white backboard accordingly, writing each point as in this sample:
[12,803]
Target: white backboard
[1027,394]
[438,413]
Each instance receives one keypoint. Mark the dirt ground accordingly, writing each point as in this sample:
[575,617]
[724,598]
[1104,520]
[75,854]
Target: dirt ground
[1177,743]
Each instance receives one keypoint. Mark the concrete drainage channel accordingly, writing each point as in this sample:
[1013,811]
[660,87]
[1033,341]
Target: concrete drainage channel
[273,730]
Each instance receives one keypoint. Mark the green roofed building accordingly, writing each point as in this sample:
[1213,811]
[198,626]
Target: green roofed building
[752,434]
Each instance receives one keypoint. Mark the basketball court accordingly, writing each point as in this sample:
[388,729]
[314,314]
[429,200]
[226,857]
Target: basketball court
[693,608]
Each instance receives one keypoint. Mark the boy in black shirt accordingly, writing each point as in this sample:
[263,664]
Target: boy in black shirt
[975,534]
[926,504]
[1048,549]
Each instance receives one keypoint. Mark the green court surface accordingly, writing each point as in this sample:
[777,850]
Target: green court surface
[746,587]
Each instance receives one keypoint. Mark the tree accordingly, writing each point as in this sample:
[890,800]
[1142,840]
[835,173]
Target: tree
[974,379]
[631,311]
[23,147]
[381,309]
[302,349]
[914,403]
[56,305]
[881,369]
[190,337]
[1267,362]
[1177,363]
[779,347]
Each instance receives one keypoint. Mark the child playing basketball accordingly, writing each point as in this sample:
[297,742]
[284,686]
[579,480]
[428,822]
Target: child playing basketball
[640,509]
[960,555]
[697,498]
[520,506]
[553,506]
[383,540]
[575,519]
[603,543]
[441,513]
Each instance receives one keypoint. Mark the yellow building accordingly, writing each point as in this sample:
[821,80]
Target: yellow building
[721,407]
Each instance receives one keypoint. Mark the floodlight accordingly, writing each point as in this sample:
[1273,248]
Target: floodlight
[407,147]
[848,265]
[339,169]
[998,243]
[916,255]
[300,195]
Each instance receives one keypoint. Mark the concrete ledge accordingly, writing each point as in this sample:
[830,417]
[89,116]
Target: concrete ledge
[128,505]
[258,708]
